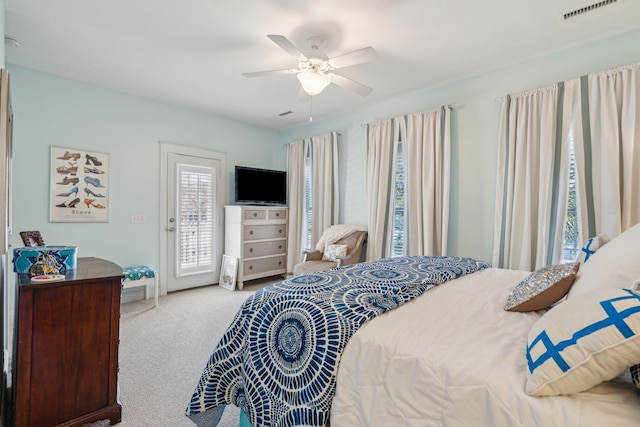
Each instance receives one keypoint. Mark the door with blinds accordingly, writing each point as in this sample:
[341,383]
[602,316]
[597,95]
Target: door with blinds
[193,221]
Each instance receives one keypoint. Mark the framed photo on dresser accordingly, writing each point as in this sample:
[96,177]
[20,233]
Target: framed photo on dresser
[32,238]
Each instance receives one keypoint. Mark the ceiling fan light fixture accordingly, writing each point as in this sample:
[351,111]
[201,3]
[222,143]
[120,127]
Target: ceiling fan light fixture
[313,82]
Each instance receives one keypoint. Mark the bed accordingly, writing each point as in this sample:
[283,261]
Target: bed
[445,352]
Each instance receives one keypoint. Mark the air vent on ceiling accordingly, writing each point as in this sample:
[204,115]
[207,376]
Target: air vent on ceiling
[285,113]
[588,8]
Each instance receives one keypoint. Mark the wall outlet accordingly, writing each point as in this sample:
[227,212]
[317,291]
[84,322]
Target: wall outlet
[138,219]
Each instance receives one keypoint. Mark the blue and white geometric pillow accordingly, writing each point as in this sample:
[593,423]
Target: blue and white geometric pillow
[584,341]
[635,369]
[591,246]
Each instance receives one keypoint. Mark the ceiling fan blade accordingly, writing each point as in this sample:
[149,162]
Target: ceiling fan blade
[269,73]
[355,57]
[350,85]
[284,43]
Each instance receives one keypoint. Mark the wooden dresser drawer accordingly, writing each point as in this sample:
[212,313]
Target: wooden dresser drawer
[277,214]
[255,214]
[262,265]
[258,232]
[272,247]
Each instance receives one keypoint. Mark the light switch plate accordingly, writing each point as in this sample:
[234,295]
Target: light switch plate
[138,219]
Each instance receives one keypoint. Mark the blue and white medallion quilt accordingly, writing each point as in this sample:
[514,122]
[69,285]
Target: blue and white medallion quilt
[279,359]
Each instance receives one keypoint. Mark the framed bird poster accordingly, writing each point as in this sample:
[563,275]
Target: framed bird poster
[79,186]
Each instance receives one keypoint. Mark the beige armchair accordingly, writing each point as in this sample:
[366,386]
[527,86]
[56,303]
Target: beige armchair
[312,260]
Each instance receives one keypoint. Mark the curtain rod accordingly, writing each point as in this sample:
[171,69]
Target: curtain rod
[608,71]
[291,142]
[452,106]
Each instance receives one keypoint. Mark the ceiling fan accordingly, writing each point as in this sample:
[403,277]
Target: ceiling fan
[316,70]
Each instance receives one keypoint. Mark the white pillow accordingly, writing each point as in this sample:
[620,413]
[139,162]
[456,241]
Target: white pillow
[591,246]
[332,252]
[584,341]
[614,265]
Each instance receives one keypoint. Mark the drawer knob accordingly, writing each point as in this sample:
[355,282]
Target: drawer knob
[251,267]
[255,214]
[250,249]
[279,246]
[251,232]
[279,262]
[280,231]
[278,214]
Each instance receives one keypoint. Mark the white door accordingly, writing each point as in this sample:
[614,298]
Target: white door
[193,218]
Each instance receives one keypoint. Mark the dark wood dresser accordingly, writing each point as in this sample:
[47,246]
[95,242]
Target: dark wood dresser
[66,347]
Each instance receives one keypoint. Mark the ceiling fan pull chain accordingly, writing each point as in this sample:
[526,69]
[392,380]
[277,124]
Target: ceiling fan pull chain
[310,108]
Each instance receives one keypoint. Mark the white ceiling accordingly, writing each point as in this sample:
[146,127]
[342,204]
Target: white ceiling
[191,53]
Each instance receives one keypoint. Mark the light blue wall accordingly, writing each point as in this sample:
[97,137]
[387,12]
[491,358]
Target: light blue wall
[475,122]
[50,110]
[2,2]
[54,111]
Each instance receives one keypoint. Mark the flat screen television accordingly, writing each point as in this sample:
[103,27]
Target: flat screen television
[260,186]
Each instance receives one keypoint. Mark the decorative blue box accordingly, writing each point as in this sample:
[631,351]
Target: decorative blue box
[62,258]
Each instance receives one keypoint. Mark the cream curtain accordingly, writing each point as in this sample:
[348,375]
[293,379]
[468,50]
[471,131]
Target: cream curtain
[606,123]
[324,194]
[379,152]
[295,183]
[614,112]
[599,115]
[427,159]
[324,178]
[529,176]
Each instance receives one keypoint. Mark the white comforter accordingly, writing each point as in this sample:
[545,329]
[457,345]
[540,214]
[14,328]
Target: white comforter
[454,357]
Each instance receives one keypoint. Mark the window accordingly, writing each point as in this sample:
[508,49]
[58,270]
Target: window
[308,202]
[571,246]
[398,232]
[195,226]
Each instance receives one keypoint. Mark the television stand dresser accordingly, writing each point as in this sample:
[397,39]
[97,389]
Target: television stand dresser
[65,366]
[257,236]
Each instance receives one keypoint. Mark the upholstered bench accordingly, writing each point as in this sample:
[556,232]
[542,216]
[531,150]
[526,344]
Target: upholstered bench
[141,276]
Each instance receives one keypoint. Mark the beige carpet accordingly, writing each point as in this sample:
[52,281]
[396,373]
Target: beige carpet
[163,351]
